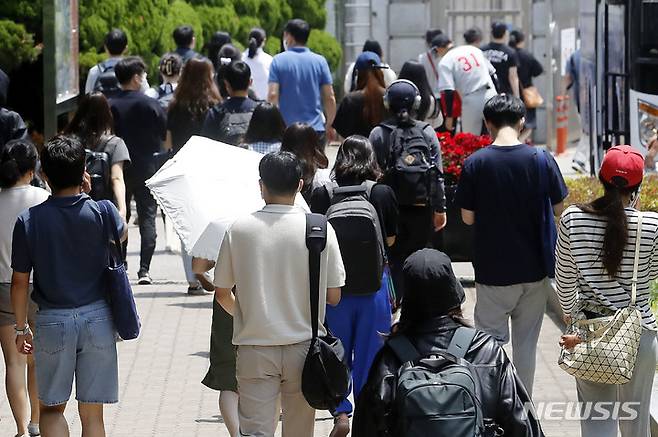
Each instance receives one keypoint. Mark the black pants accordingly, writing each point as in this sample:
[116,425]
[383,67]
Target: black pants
[147,209]
[415,227]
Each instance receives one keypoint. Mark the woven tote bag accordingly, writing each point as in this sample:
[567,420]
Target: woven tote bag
[607,355]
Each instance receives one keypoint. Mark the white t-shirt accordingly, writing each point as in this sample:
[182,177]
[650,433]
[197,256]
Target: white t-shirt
[265,256]
[465,69]
[260,71]
[13,201]
[431,64]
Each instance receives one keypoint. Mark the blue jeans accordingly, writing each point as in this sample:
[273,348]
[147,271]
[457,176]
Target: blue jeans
[76,342]
[359,322]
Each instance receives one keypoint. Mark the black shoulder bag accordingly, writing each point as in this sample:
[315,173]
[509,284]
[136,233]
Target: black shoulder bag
[326,377]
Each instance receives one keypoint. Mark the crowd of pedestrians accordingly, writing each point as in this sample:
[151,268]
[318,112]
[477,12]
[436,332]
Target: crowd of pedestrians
[391,300]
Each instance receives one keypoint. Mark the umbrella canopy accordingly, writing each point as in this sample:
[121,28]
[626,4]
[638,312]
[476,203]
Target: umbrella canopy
[204,188]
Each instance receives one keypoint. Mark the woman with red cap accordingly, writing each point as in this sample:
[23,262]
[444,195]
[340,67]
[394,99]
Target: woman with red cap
[598,272]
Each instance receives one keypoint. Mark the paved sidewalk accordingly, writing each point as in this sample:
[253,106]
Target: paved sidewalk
[160,373]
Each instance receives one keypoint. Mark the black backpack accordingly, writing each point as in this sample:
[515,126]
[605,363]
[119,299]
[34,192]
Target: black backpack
[165,95]
[107,82]
[233,126]
[409,169]
[359,235]
[98,166]
[437,395]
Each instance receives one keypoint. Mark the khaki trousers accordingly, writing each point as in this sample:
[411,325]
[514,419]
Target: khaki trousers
[264,373]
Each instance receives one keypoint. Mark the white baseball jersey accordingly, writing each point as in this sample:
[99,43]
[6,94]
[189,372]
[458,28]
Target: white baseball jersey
[465,70]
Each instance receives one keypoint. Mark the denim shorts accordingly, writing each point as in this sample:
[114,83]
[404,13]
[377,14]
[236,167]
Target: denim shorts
[76,342]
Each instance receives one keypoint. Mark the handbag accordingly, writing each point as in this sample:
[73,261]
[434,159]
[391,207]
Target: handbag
[608,353]
[548,231]
[531,97]
[326,377]
[119,292]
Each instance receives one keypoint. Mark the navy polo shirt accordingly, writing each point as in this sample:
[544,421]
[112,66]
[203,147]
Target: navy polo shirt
[63,243]
[501,185]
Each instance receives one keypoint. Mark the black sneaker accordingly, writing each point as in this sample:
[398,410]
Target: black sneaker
[143,278]
[196,291]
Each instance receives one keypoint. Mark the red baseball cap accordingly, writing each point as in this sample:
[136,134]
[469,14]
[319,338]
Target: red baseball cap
[622,166]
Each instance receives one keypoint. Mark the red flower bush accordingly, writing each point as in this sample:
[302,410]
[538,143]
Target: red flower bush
[455,150]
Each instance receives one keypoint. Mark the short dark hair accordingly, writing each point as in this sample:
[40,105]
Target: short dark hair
[116,41]
[498,29]
[430,34]
[299,29]
[183,36]
[127,67]
[504,110]
[280,173]
[63,162]
[356,161]
[515,38]
[17,158]
[372,45]
[238,75]
[473,35]
[266,124]
[440,41]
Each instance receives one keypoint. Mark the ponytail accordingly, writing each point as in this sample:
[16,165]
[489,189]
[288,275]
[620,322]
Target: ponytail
[17,158]
[256,39]
[611,206]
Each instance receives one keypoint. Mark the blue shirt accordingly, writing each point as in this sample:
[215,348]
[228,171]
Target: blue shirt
[63,242]
[501,185]
[301,74]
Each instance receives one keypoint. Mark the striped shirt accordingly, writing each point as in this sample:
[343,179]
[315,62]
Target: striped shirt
[581,278]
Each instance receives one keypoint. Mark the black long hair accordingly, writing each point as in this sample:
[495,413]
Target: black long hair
[91,121]
[415,72]
[227,54]
[256,39]
[217,41]
[611,206]
[266,124]
[356,162]
[17,158]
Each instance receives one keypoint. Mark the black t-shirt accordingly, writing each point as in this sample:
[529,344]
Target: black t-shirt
[502,57]
[349,116]
[381,197]
[211,126]
[528,68]
[501,185]
[142,123]
[182,124]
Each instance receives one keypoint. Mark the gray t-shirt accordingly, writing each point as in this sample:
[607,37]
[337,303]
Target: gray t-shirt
[115,147]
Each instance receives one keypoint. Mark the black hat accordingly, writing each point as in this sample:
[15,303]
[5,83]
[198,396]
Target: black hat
[430,286]
[440,41]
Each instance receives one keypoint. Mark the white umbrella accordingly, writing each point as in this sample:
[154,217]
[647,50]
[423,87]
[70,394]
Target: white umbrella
[204,188]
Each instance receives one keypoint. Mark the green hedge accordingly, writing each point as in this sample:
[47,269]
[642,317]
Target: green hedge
[586,189]
[150,23]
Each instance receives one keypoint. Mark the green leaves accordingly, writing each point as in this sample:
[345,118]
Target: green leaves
[16,46]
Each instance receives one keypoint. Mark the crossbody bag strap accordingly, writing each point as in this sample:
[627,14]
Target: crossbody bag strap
[316,240]
[109,220]
[636,263]
[429,58]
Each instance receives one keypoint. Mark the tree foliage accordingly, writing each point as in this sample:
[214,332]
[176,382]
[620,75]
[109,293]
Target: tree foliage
[17,45]
[149,25]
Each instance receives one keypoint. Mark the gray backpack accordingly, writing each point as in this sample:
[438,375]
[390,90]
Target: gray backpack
[233,126]
[438,395]
[359,235]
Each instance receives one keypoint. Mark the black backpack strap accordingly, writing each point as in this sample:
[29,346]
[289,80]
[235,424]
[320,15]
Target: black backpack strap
[403,348]
[460,342]
[316,241]
[110,230]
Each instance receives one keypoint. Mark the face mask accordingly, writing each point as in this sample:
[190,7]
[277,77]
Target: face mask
[285,44]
